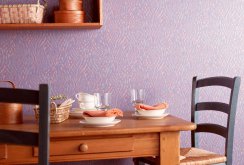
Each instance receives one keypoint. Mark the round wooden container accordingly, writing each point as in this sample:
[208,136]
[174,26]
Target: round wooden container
[10,113]
[69,16]
[71,5]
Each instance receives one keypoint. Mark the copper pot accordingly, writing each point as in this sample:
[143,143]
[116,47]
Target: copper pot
[11,113]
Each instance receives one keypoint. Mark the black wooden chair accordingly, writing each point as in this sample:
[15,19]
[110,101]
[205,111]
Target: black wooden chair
[194,155]
[41,139]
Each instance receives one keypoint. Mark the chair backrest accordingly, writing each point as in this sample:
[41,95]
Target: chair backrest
[41,139]
[230,109]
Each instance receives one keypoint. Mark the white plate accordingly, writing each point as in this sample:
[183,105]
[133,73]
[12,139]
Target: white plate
[136,114]
[85,123]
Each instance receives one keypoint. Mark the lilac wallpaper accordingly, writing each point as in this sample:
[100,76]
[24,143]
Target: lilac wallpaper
[157,45]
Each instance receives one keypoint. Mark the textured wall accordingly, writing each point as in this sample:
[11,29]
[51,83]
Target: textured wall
[158,45]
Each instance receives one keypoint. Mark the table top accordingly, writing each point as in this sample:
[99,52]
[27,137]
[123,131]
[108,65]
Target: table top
[129,124]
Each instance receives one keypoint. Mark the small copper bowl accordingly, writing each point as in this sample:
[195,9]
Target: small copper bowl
[71,5]
[69,16]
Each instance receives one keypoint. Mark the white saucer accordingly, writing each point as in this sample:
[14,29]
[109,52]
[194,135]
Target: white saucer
[150,117]
[87,109]
[110,124]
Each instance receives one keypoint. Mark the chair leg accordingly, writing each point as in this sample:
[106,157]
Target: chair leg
[137,162]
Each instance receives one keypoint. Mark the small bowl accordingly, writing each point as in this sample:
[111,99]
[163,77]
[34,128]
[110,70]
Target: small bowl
[158,112]
[99,120]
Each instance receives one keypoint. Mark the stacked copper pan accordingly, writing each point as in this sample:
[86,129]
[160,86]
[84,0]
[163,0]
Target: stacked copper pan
[70,11]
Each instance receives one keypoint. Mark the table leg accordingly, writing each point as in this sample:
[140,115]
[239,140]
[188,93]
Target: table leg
[3,151]
[169,148]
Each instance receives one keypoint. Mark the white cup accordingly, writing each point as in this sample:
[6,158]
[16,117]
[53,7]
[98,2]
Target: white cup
[86,101]
[85,97]
[87,105]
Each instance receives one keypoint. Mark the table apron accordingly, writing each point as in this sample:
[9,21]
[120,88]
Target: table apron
[88,148]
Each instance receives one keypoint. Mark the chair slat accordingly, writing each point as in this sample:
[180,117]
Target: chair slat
[22,96]
[218,106]
[212,128]
[215,81]
[16,137]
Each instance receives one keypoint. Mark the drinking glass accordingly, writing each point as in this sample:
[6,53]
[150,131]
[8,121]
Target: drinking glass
[137,96]
[102,101]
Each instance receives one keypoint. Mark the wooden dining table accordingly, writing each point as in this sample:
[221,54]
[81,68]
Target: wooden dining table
[71,141]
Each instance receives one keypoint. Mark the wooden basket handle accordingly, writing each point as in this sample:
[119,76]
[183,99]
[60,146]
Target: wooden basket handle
[10,82]
[45,3]
[55,106]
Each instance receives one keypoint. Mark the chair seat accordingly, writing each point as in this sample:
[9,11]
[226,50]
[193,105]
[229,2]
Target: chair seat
[195,156]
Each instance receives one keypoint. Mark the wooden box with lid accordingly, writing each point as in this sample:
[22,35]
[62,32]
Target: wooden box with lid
[70,11]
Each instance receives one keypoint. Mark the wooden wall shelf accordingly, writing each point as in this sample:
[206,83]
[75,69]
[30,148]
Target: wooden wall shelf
[44,26]
[95,20]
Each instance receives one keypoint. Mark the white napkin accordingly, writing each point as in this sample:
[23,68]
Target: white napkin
[67,102]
